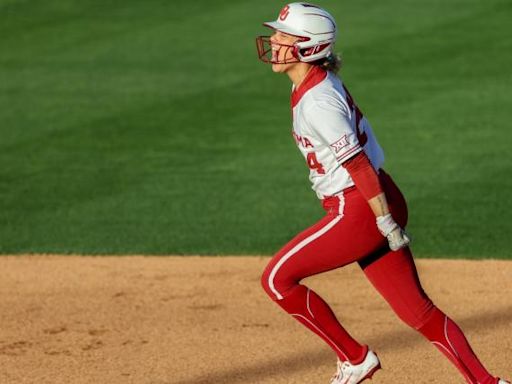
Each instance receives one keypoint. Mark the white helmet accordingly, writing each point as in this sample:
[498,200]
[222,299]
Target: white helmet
[314,25]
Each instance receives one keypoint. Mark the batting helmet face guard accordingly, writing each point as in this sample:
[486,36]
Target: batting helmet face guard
[314,27]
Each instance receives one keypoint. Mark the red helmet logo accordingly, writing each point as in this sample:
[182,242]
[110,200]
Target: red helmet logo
[284,13]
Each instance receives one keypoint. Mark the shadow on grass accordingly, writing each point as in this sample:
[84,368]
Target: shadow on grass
[306,358]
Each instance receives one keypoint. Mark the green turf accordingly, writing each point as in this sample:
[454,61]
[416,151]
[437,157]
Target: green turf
[150,127]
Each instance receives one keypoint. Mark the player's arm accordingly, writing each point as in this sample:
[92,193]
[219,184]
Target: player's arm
[367,182]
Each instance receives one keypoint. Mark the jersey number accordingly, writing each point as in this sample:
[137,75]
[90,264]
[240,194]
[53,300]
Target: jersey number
[361,135]
[314,164]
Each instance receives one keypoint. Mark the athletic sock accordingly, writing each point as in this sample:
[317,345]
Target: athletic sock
[450,340]
[312,311]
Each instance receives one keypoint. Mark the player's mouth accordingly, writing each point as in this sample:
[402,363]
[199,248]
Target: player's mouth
[275,52]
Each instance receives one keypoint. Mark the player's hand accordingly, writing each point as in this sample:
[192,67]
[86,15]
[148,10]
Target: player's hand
[397,238]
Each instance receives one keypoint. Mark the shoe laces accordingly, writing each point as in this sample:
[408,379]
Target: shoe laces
[346,365]
[342,367]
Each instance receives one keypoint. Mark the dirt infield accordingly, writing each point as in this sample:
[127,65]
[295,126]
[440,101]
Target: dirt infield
[198,320]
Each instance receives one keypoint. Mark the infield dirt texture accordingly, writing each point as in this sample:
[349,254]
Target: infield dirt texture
[176,320]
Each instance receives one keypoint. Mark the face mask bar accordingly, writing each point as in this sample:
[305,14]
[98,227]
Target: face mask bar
[267,54]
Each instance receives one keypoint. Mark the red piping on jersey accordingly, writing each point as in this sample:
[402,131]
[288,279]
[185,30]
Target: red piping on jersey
[315,76]
[345,154]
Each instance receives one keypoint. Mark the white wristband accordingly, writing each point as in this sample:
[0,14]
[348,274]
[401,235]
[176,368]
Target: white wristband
[386,224]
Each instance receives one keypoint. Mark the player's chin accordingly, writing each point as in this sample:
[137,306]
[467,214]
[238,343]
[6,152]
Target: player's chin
[279,68]
[276,68]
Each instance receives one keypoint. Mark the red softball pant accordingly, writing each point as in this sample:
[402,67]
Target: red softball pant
[348,233]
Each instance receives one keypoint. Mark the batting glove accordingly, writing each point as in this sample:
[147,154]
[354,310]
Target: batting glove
[397,238]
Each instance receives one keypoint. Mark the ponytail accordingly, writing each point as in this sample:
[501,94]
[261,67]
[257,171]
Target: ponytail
[331,63]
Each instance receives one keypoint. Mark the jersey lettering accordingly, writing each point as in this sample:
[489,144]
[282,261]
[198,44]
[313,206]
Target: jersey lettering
[303,141]
[307,143]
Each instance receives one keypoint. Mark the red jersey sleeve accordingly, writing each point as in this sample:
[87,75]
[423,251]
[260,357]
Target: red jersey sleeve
[364,175]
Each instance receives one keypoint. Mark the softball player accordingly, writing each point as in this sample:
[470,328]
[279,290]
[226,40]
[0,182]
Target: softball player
[365,211]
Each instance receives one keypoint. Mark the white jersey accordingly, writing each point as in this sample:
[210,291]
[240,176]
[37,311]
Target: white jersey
[329,129]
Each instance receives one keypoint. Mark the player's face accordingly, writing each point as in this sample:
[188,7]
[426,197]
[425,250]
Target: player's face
[282,51]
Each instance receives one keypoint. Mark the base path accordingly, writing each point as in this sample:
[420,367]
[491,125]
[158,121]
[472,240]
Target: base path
[198,320]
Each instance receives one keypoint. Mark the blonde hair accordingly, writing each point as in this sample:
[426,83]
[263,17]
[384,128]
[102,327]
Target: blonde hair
[331,63]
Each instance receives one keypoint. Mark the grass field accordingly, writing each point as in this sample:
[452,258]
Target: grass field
[150,127]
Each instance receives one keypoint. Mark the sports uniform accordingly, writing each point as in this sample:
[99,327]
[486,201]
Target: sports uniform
[345,164]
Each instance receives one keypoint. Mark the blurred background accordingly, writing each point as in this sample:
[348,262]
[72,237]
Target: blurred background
[150,127]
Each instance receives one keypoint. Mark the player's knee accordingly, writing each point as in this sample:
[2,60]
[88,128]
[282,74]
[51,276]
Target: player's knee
[275,285]
[415,316]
